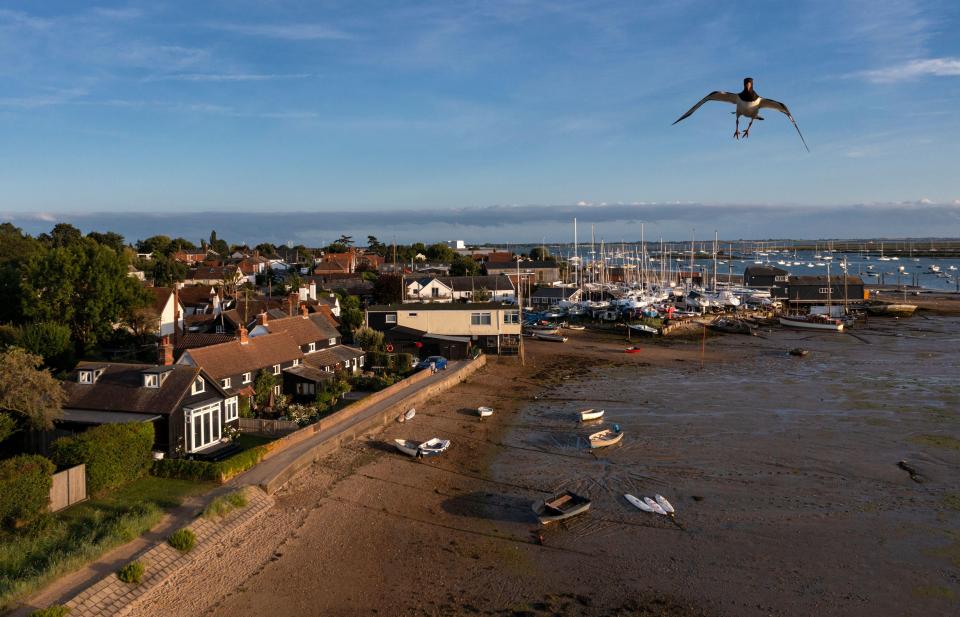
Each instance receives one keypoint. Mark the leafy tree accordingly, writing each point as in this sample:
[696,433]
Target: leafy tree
[181,244]
[375,246]
[266,249]
[263,387]
[158,245]
[217,245]
[464,266]
[388,289]
[351,318]
[345,239]
[62,235]
[337,247]
[16,249]
[111,239]
[50,341]
[166,271]
[85,286]
[440,252]
[368,339]
[482,295]
[27,390]
[540,254]
[8,425]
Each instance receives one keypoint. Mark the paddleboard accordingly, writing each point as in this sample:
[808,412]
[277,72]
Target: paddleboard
[668,508]
[638,503]
[654,506]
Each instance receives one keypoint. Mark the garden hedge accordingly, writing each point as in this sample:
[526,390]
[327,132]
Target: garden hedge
[24,488]
[222,471]
[114,454]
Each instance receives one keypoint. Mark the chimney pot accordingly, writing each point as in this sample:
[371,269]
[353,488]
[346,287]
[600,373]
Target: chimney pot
[262,319]
[166,352]
[244,338]
[304,311]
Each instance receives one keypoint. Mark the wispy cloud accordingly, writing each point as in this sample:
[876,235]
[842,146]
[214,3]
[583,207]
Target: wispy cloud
[59,97]
[914,69]
[287,32]
[215,77]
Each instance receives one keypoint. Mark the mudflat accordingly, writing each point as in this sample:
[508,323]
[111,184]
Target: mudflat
[783,470]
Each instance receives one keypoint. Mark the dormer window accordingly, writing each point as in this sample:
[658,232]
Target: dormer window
[276,369]
[85,377]
[199,386]
[332,341]
[89,376]
[151,380]
[313,347]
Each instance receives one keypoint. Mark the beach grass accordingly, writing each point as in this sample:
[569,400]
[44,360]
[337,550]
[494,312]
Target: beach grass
[32,557]
[224,504]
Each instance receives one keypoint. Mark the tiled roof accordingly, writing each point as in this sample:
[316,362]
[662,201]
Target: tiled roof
[309,372]
[120,388]
[194,340]
[303,331]
[160,297]
[196,294]
[332,355]
[823,280]
[234,358]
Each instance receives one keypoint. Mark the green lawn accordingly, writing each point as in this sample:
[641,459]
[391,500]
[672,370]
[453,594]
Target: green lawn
[247,441]
[32,557]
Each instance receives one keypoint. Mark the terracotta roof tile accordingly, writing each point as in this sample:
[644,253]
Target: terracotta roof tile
[234,358]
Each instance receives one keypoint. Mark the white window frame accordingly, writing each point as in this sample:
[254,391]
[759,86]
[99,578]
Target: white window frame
[296,361]
[86,377]
[313,347]
[231,409]
[199,386]
[227,381]
[276,369]
[277,390]
[196,419]
[151,380]
[332,341]
[480,319]
[390,318]
[247,377]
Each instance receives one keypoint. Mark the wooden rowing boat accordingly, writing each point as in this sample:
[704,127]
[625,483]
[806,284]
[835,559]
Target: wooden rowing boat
[484,412]
[591,414]
[561,506]
[606,437]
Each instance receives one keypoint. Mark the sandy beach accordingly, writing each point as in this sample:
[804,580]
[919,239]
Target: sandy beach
[783,471]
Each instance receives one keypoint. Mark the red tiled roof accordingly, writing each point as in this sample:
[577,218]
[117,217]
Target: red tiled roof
[234,358]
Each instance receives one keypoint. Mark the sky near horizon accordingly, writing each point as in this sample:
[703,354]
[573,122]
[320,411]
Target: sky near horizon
[246,106]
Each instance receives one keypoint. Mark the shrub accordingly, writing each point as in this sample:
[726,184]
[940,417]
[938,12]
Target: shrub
[225,504]
[368,339]
[57,610]
[404,363]
[238,463]
[132,572]
[222,471]
[183,540]
[24,488]
[114,454]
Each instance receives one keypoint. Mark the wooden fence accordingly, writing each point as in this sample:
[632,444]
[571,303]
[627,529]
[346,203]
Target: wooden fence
[268,427]
[69,487]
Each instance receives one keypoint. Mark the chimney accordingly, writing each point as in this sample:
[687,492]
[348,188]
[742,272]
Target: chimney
[165,356]
[303,311]
[292,300]
[244,339]
[313,290]
[262,319]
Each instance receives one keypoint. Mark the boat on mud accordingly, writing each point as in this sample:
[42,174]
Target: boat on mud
[590,414]
[422,449]
[812,322]
[606,437]
[890,309]
[561,506]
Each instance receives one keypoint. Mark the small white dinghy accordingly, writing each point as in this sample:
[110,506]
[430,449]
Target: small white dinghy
[407,415]
[418,449]
[484,412]
[606,437]
[639,503]
[654,506]
[591,414]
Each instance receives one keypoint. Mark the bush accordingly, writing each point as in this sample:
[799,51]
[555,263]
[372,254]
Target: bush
[57,610]
[24,488]
[132,572]
[225,504]
[222,471]
[183,540]
[373,383]
[114,454]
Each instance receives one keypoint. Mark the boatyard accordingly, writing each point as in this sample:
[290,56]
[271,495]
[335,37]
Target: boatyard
[786,491]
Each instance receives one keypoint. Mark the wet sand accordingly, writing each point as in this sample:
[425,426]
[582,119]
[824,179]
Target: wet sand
[783,471]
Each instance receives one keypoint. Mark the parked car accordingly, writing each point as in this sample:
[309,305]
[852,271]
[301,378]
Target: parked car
[439,362]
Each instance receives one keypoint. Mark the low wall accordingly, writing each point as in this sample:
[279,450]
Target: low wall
[377,420]
[348,412]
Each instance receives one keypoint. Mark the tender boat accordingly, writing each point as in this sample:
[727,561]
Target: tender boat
[560,507]
[591,414]
[421,449]
[812,322]
[556,338]
[633,349]
[643,329]
[606,437]
[485,412]
[891,309]
[407,415]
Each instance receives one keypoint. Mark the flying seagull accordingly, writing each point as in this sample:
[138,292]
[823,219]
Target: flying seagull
[749,104]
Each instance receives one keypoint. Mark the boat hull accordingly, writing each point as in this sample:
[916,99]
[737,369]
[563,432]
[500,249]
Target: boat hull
[604,439]
[811,325]
[591,414]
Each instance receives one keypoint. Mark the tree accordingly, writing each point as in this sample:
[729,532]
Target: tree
[166,271]
[266,249]
[50,341]
[62,235]
[440,252]
[111,239]
[376,247]
[181,244]
[337,247]
[540,254]
[368,339]
[263,387]
[388,289]
[345,239]
[27,390]
[481,295]
[16,249]
[84,286]
[217,245]
[464,266]
[158,245]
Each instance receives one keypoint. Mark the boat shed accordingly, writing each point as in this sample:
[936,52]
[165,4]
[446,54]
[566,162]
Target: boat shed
[767,277]
[809,290]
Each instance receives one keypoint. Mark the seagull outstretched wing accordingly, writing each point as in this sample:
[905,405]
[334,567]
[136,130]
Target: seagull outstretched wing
[771,104]
[716,95]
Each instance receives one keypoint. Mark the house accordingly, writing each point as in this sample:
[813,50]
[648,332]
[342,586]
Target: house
[235,364]
[215,275]
[304,381]
[447,328]
[353,284]
[189,410]
[200,300]
[545,297]
[540,272]
[190,257]
[345,263]
[311,335]
[771,278]
[167,310]
[814,290]
[459,288]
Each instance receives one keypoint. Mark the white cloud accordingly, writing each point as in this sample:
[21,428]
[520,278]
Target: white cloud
[289,32]
[926,201]
[939,67]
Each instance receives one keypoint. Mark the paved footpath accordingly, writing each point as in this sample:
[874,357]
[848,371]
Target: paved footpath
[77,584]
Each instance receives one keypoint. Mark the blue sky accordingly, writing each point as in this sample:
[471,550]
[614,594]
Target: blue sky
[244,106]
